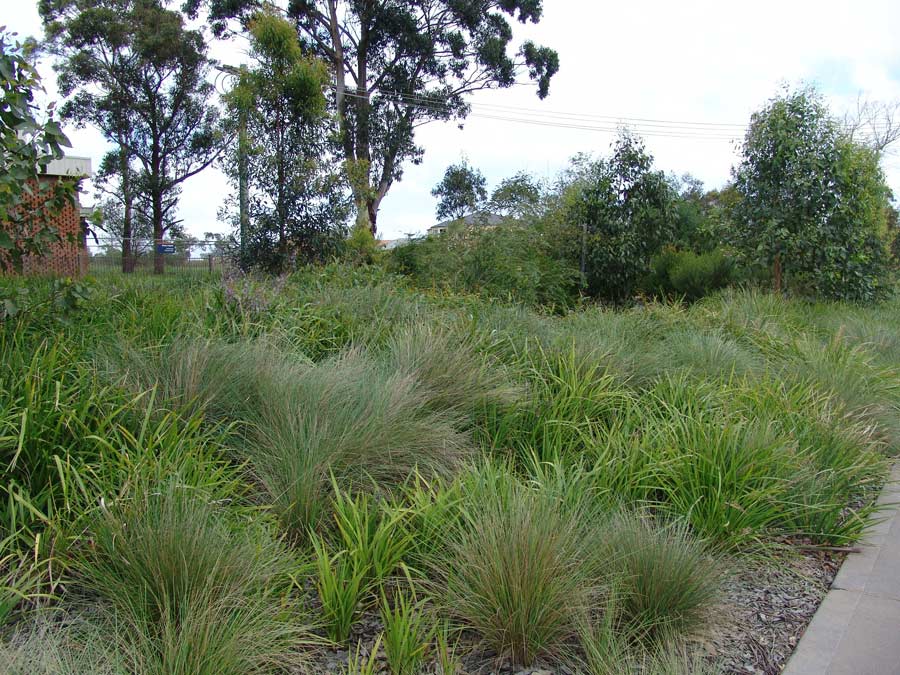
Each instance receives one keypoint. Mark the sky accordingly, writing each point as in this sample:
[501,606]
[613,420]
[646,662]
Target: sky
[704,65]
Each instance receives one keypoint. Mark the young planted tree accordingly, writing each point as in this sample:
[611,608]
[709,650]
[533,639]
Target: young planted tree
[29,140]
[141,76]
[621,211]
[398,65]
[814,203]
[297,201]
[460,191]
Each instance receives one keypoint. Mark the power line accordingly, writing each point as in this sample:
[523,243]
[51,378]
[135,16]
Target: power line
[436,104]
[606,127]
[663,128]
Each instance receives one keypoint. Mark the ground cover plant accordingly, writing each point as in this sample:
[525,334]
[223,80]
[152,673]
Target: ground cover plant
[335,471]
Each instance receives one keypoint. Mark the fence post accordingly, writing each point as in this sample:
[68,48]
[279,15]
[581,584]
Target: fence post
[210,259]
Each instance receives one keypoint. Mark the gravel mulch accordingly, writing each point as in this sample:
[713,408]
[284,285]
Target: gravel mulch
[765,609]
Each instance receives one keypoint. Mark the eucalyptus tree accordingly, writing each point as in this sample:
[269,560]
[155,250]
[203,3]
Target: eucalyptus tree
[460,192]
[297,198]
[814,204]
[136,72]
[519,196]
[621,212]
[95,50]
[400,64]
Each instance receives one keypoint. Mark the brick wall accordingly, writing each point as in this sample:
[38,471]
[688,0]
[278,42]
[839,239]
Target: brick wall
[68,257]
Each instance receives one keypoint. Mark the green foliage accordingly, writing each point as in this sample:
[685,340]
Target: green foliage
[358,663]
[519,196]
[558,487]
[814,203]
[665,580]
[361,247]
[512,262]
[689,275]
[140,75]
[372,535]
[447,660]
[27,144]
[514,569]
[341,585]
[621,214]
[192,593]
[347,416]
[58,299]
[468,49]
[408,631]
[455,378]
[461,191]
[296,202]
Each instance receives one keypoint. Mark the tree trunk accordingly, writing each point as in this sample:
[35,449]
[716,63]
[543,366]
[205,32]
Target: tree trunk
[243,181]
[776,272]
[127,229]
[372,213]
[159,261]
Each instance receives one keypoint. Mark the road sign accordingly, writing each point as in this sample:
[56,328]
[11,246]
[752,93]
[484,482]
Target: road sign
[165,248]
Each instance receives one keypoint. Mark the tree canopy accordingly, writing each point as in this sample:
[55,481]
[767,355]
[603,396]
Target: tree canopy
[460,192]
[622,211]
[139,74]
[814,202]
[398,65]
[297,201]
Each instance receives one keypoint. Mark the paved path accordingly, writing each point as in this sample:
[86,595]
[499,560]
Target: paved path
[856,630]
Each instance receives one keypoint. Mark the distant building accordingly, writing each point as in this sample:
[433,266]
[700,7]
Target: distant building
[481,219]
[67,257]
[388,244]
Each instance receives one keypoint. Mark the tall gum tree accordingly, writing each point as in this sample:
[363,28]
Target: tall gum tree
[94,50]
[400,64]
[161,91]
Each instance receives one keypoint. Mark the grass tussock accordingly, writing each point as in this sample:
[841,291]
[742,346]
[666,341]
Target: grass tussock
[185,591]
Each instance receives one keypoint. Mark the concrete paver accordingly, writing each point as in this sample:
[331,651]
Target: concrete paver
[856,630]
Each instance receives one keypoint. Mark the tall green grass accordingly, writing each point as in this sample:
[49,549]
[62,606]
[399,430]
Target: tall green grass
[189,592]
[559,485]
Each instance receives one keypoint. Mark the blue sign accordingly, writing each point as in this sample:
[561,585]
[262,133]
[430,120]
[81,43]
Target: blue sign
[165,248]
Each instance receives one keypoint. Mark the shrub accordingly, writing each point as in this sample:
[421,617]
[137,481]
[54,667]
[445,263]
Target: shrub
[191,592]
[621,215]
[689,275]
[512,262]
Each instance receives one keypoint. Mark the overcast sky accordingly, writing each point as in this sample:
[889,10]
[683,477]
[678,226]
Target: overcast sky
[700,62]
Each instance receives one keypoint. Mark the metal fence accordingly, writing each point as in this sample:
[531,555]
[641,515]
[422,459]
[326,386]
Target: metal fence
[178,256]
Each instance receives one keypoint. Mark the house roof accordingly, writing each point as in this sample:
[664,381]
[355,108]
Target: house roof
[480,218]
